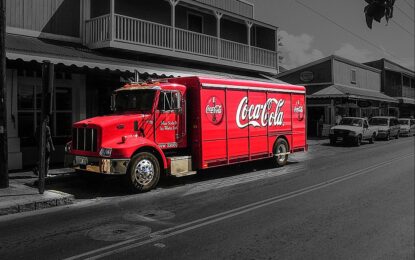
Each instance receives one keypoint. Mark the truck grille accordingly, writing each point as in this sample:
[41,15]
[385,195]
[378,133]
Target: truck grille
[84,139]
[340,132]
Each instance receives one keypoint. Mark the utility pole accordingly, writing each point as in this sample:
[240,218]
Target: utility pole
[48,73]
[4,167]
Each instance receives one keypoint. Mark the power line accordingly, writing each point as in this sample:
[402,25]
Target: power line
[409,3]
[407,15]
[347,30]
[403,28]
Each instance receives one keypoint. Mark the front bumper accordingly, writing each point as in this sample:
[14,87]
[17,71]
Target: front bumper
[382,134]
[97,165]
[343,137]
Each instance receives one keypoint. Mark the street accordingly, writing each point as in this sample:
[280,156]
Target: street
[333,202]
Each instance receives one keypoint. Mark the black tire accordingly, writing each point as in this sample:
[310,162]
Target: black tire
[397,135]
[143,172]
[372,139]
[332,141]
[358,140]
[281,146]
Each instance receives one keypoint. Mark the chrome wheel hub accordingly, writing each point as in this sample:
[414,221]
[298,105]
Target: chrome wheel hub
[144,172]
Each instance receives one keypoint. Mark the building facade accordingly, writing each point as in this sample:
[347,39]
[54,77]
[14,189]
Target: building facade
[97,45]
[339,87]
[399,82]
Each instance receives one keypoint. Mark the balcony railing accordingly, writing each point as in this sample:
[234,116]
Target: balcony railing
[144,33]
[234,6]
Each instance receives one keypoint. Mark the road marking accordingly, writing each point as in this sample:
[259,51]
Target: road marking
[166,233]
[244,178]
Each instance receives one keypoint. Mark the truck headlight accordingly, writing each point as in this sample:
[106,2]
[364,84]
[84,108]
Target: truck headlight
[352,133]
[105,152]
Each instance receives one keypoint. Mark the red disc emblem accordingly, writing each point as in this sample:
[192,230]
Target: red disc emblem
[214,110]
[299,110]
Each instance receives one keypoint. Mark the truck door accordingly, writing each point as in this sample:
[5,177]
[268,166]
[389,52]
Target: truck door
[168,116]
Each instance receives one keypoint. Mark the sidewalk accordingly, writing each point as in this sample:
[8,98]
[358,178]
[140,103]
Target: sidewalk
[22,196]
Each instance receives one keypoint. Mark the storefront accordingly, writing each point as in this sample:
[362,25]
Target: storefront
[337,87]
[82,86]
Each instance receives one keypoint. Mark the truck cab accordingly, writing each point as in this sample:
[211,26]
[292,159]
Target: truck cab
[146,118]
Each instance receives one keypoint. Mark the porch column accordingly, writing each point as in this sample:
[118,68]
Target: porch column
[249,26]
[112,20]
[218,16]
[173,4]
[277,51]
[85,10]
[332,112]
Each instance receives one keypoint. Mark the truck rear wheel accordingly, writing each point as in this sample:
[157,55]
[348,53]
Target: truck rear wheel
[143,173]
[281,147]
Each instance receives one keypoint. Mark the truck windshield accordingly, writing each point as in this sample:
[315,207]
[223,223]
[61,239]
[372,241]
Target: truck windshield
[134,100]
[351,121]
[378,121]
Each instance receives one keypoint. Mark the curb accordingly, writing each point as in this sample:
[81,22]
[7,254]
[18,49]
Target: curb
[43,203]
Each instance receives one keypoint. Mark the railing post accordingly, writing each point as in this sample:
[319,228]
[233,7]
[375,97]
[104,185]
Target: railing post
[277,44]
[249,26]
[218,16]
[173,4]
[112,20]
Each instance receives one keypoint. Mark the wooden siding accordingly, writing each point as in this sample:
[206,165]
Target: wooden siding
[235,6]
[365,78]
[321,74]
[59,17]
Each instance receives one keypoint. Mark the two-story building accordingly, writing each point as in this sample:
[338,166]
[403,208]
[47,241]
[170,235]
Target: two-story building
[96,45]
[399,82]
[337,86]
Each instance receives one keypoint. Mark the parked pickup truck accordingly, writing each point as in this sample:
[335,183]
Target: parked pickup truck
[353,130]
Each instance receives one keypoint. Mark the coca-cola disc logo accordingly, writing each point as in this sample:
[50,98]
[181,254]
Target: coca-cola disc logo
[214,110]
[299,110]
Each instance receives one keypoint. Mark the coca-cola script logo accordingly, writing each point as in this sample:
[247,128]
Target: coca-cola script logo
[214,110]
[260,114]
[299,110]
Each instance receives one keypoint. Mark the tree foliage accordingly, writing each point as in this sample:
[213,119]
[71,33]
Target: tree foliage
[377,9]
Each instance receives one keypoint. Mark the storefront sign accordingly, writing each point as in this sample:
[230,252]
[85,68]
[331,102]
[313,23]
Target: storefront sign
[306,76]
[364,103]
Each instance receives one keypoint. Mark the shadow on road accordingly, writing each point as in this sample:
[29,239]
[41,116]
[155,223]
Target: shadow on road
[88,186]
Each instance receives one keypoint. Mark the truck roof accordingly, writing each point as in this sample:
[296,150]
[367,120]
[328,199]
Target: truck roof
[249,84]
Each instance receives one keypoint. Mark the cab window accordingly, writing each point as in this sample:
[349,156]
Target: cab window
[365,124]
[169,101]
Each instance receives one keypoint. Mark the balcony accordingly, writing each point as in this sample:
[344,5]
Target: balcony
[408,92]
[149,37]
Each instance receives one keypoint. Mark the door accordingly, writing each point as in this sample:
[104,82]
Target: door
[168,120]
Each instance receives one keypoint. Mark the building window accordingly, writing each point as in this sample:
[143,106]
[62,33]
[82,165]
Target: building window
[195,22]
[353,76]
[29,113]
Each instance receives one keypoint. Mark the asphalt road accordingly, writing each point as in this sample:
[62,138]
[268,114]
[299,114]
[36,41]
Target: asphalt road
[330,203]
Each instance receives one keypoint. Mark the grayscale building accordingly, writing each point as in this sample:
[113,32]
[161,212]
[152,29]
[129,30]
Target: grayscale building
[398,82]
[337,86]
[96,45]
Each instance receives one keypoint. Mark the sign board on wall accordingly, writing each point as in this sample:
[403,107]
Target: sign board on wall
[306,76]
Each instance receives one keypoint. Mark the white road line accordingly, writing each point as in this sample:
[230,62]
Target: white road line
[166,233]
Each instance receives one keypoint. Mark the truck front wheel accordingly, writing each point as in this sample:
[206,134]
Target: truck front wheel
[281,153]
[143,173]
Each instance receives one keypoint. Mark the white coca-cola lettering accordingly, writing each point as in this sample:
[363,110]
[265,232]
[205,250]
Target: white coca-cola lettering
[260,114]
[298,110]
[214,109]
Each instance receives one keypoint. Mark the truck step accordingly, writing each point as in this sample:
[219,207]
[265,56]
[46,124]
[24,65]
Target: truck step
[183,174]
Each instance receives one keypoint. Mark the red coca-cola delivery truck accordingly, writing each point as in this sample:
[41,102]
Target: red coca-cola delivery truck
[181,125]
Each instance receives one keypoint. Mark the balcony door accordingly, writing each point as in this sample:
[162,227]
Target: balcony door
[195,22]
